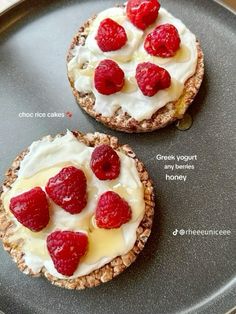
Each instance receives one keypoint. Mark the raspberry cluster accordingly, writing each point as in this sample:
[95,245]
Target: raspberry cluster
[108,77]
[163,41]
[142,13]
[152,78]
[68,189]
[110,36]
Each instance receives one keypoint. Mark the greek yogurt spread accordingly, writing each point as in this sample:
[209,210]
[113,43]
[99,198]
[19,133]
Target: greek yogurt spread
[44,160]
[130,99]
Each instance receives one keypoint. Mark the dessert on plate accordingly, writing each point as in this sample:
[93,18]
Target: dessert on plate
[76,208]
[135,68]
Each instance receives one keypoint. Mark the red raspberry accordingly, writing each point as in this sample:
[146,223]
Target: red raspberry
[108,77]
[110,36]
[142,13]
[66,249]
[68,189]
[151,78]
[105,163]
[112,211]
[163,41]
[31,209]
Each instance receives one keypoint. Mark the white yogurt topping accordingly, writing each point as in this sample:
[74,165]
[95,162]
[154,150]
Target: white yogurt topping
[131,100]
[44,160]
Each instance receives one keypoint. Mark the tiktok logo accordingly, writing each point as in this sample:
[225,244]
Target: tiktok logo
[175,232]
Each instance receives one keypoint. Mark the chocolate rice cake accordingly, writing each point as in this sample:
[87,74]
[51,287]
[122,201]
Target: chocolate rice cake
[118,264]
[121,121]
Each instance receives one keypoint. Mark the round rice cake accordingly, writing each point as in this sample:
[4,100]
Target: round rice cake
[14,235]
[132,111]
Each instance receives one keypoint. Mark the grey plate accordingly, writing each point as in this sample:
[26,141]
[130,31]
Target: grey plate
[187,274]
